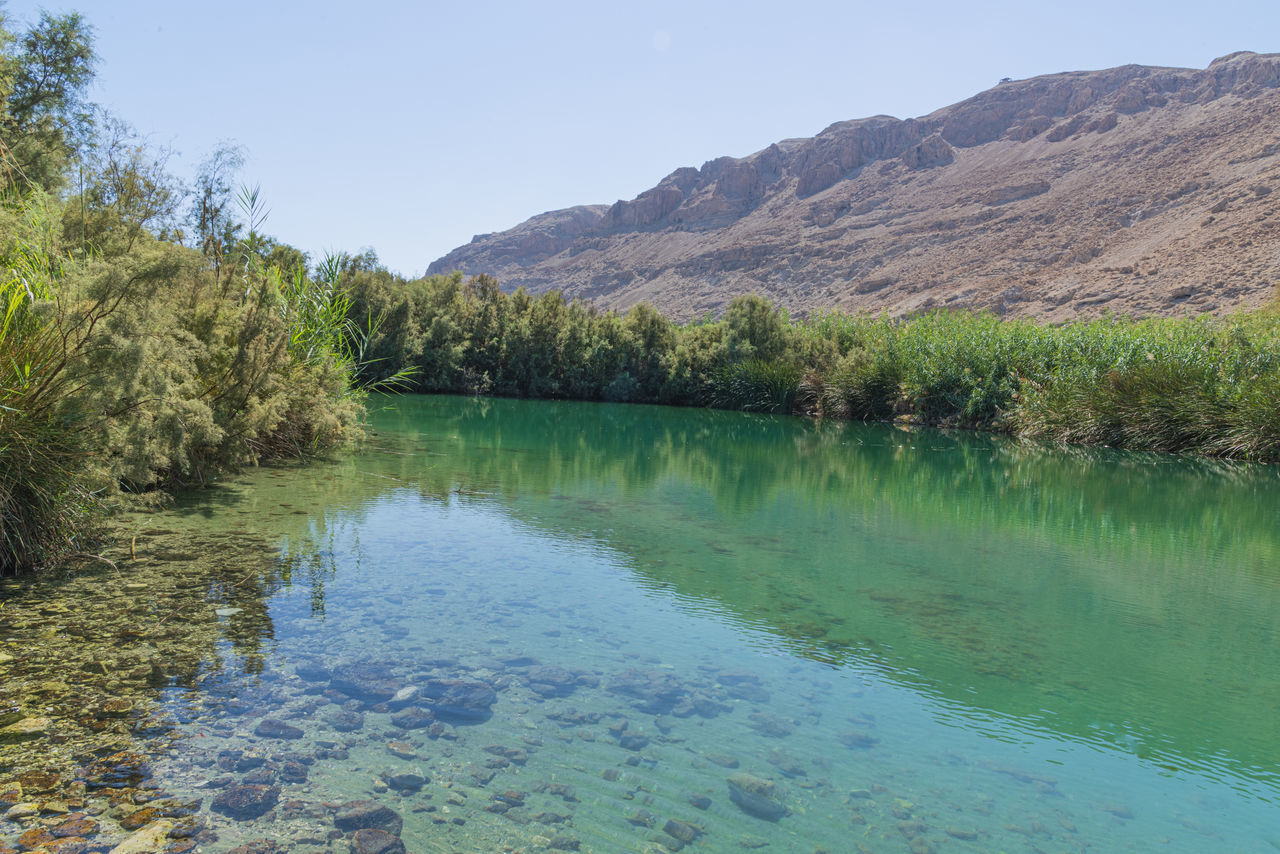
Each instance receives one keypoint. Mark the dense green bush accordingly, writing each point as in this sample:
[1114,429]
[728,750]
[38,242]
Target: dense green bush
[1205,386]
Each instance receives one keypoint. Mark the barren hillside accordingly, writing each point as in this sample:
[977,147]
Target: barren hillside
[1135,190]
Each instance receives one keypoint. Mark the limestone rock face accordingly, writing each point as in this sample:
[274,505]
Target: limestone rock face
[932,151]
[1082,193]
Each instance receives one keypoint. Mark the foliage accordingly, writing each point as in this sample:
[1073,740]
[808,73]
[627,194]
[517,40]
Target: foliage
[1205,386]
[44,75]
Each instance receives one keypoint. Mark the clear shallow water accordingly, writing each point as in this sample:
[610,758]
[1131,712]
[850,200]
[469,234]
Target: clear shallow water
[907,641]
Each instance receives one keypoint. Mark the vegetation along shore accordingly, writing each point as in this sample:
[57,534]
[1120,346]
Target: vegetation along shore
[153,337]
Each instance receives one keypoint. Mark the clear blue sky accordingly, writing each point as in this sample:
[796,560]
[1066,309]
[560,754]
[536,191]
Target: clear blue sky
[408,127]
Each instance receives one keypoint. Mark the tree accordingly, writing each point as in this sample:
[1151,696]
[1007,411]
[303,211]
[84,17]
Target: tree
[46,117]
[128,190]
[210,215]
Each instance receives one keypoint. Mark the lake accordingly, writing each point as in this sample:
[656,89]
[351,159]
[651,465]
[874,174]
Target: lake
[535,626]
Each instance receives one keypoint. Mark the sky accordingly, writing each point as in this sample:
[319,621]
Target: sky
[409,127]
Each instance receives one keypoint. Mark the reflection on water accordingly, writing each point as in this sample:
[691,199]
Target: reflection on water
[552,626]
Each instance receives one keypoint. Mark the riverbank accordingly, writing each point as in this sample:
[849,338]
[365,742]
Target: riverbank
[1207,385]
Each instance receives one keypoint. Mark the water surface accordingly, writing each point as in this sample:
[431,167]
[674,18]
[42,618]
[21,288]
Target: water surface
[608,623]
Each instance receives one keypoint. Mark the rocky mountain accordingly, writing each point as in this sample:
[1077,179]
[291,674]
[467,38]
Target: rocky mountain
[1135,190]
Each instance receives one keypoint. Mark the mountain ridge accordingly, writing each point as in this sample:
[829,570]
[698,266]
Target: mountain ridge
[1137,189]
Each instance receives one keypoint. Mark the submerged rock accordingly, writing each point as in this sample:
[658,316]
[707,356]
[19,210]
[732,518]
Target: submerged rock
[272,728]
[367,815]
[771,725]
[247,801]
[293,772]
[412,718]
[757,797]
[857,739]
[724,760]
[75,824]
[25,729]
[345,721]
[548,681]
[404,696]
[373,841]
[259,846]
[633,741]
[365,681]
[148,840]
[786,763]
[461,699]
[683,830]
[402,749]
[22,810]
[406,782]
[655,691]
[313,672]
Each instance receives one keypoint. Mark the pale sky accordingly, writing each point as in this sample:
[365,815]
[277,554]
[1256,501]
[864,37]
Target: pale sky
[409,127]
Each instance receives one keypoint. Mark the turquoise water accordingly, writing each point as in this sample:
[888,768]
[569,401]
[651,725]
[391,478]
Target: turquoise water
[612,624]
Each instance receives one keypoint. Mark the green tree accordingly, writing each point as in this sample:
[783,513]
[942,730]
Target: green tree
[127,190]
[47,118]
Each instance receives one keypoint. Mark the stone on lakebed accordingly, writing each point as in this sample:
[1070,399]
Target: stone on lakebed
[272,728]
[758,797]
[246,802]
[367,815]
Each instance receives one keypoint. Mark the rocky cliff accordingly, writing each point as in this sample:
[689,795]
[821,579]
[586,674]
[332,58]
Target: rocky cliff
[1135,190]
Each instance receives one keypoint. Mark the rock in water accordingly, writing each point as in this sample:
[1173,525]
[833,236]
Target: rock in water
[147,840]
[551,681]
[271,728]
[246,802]
[365,681]
[367,815]
[406,782]
[757,797]
[313,671]
[25,729]
[404,696]
[345,721]
[412,718]
[460,699]
[370,841]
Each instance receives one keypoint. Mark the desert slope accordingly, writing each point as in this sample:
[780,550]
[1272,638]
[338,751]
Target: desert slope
[1135,190]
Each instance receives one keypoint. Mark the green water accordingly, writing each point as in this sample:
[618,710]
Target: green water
[924,641]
